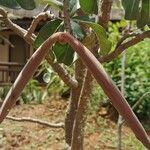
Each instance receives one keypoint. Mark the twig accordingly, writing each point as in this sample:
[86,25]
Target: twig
[71,82]
[17,29]
[137,103]
[138,38]
[46,8]
[32,120]
[66,16]
[119,124]
[7,41]
[140,100]
[105,12]
[124,38]
[42,16]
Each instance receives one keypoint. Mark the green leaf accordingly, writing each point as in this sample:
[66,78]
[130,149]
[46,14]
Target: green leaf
[46,31]
[144,14]
[89,6]
[53,3]
[84,18]
[27,4]
[76,30]
[149,23]
[47,77]
[105,44]
[73,6]
[10,4]
[131,9]
[64,53]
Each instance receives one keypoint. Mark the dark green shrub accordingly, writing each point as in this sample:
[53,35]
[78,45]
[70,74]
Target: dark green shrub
[137,76]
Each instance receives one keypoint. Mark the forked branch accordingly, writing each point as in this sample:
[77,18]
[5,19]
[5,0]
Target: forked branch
[96,69]
[123,46]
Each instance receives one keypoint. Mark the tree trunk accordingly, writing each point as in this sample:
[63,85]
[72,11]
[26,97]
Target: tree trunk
[75,95]
[78,128]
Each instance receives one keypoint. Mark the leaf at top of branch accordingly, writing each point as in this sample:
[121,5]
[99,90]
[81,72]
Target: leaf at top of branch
[149,23]
[46,31]
[26,4]
[84,18]
[89,6]
[73,6]
[131,9]
[64,53]
[10,4]
[105,44]
[53,3]
[76,30]
[144,14]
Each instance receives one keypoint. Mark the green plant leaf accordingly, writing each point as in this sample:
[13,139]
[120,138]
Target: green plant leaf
[148,23]
[84,18]
[144,14]
[26,4]
[10,4]
[53,3]
[64,53]
[76,30]
[46,31]
[105,44]
[47,77]
[89,6]
[73,6]
[131,9]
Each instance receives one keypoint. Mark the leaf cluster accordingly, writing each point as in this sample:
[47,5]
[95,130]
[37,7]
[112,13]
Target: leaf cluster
[138,10]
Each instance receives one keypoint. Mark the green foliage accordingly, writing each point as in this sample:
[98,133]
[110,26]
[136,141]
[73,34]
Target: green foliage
[138,10]
[3,92]
[46,31]
[137,76]
[131,9]
[105,44]
[53,3]
[97,98]
[89,7]
[144,17]
[64,53]
[17,4]
[26,4]
[76,30]
[73,6]
[33,93]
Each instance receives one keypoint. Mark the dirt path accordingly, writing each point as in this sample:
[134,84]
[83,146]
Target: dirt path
[30,136]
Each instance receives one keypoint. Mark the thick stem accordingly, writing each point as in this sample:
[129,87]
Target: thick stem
[67,16]
[68,80]
[78,129]
[105,12]
[73,105]
[95,68]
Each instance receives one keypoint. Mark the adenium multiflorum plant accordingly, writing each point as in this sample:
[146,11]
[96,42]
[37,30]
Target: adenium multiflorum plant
[80,27]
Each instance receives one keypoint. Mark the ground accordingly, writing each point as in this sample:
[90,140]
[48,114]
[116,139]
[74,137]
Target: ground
[100,133]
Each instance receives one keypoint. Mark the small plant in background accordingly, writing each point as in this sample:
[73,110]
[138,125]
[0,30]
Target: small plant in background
[33,92]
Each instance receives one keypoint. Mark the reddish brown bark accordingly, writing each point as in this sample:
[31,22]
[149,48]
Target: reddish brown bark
[96,69]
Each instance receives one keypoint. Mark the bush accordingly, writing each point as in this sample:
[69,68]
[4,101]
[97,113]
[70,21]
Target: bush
[137,76]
